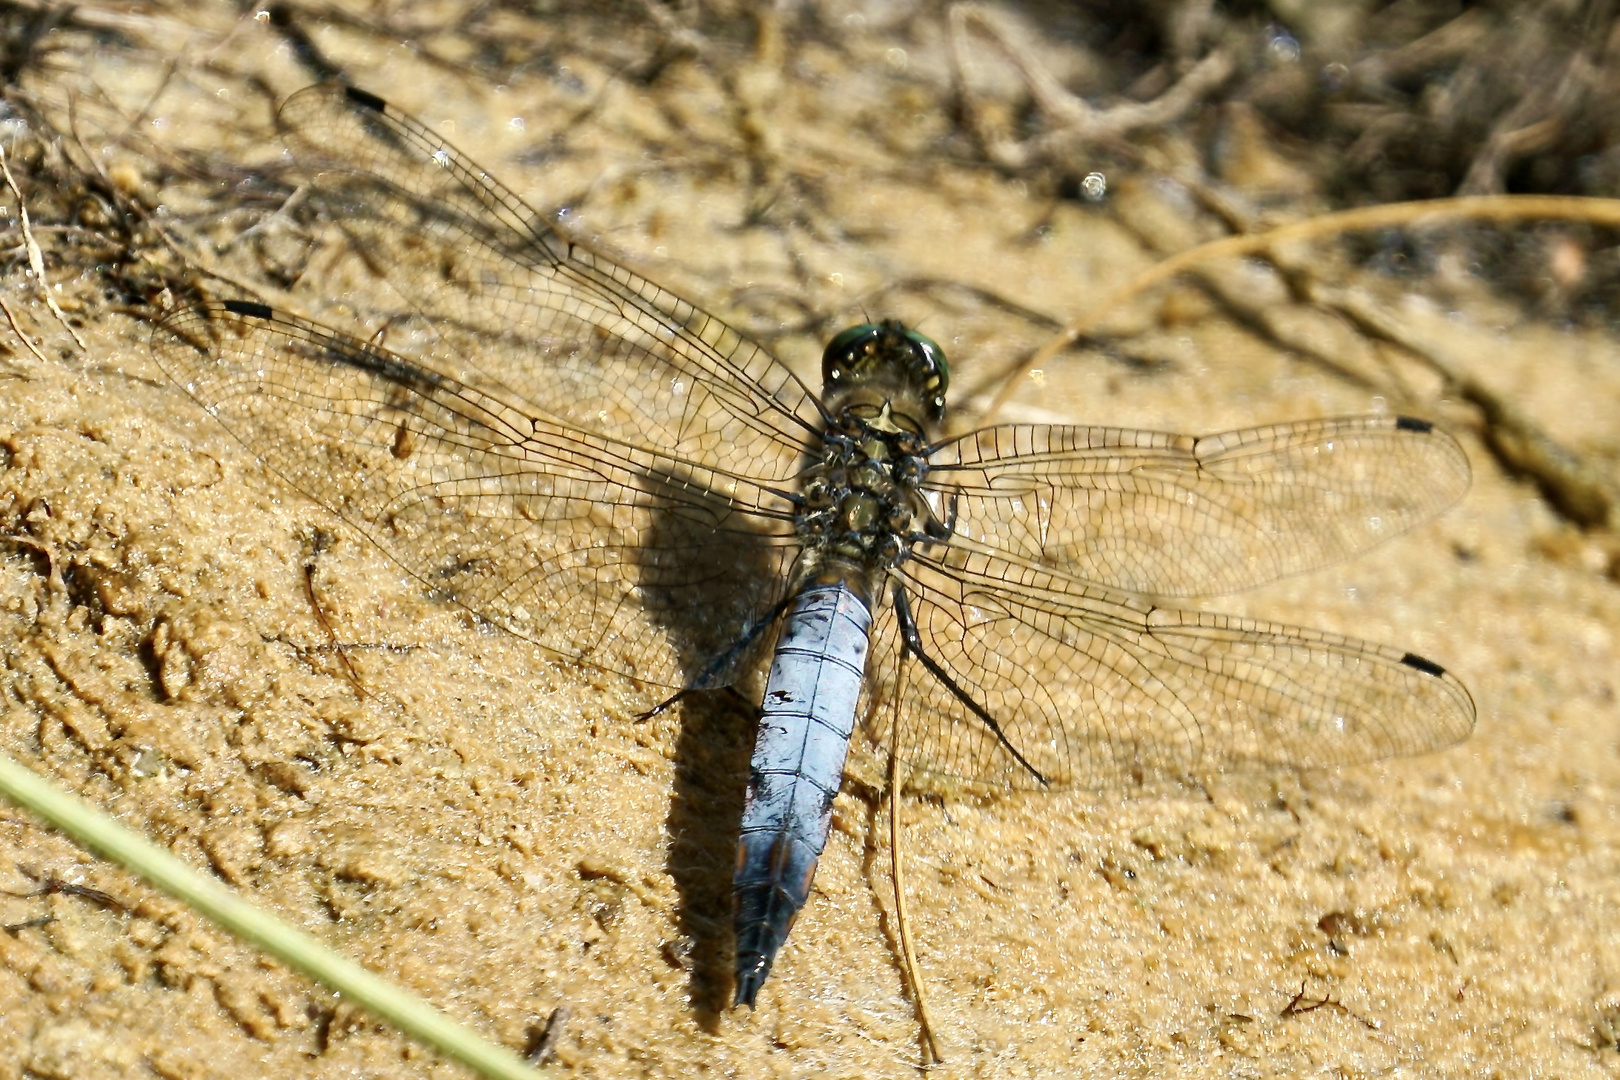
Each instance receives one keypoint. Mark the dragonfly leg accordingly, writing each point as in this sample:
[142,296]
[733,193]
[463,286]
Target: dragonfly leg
[914,647]
[708,678]
[739,698]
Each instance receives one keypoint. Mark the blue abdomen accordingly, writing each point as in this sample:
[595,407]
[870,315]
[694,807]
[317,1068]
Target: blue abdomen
[798,764]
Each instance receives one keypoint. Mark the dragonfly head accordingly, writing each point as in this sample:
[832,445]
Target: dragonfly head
[886,364]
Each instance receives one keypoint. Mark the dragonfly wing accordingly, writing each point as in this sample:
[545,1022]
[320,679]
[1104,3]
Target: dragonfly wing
[1031,680]
[634,560]
[1172,515]
[501,298]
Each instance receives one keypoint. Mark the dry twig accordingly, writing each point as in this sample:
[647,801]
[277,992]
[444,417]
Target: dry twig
[1075,124]
[36,261]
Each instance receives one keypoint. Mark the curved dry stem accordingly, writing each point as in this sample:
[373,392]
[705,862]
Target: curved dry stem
[1492,208]
[897,876]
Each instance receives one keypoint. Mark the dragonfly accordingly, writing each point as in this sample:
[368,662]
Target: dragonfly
[581,457]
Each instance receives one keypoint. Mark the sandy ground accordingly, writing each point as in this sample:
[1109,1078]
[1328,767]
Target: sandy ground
[495,829]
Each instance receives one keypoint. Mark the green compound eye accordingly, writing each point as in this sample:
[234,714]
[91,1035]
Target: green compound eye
[933,356]
[848,343]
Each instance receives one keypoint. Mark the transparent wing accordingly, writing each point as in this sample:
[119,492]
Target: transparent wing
[1173,515]
[634,560]
[1026,679]
[505,300]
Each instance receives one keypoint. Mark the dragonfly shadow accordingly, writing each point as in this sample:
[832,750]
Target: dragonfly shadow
[712,584]
[711,768]
[711,579]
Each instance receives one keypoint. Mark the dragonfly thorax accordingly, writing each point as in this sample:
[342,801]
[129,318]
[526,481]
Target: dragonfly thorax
[861,505]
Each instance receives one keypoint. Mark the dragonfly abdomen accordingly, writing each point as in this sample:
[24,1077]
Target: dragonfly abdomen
[798,764]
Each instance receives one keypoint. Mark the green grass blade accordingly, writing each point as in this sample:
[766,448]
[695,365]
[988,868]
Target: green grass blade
[298,950]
